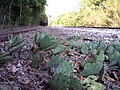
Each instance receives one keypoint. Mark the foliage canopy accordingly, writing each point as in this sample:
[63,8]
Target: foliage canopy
[98,13]
[22,12]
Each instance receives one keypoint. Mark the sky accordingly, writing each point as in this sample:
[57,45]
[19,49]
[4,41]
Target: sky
[57,7]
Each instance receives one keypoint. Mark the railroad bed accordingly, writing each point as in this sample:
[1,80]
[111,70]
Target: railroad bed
[108,34]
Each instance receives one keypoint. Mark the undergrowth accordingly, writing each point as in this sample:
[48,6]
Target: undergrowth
[63,76]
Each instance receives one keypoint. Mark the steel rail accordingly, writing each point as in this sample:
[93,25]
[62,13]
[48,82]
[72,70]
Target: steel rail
[5,32]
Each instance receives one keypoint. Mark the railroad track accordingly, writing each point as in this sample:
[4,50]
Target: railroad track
[5,32]
[64,31]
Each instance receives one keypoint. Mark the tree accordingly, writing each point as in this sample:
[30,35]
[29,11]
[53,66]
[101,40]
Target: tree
[68,19]
[22,12]
[98,13]
[101,13]
[113,12]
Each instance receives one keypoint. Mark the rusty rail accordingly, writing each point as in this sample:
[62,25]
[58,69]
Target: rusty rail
[5,32]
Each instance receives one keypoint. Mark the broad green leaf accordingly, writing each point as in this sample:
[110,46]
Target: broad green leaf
[47,42]
[15,41]
[55,62]
[96,86]
[65,68]
[84,49]
[100,57]
[110,49]
[75,83]
[59,49]
[93,45]
[114,56]
[91,68]
[72,43]
[84,62]
[15,48]
[90,83]
[94,51]
[59,81]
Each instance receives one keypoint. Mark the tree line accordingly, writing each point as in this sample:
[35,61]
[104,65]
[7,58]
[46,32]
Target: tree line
[22,12]
[98,13]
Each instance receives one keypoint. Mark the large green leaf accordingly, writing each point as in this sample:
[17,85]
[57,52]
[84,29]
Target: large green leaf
[110,49]
[75,83]
[93,51]
[4,59]
[47,42]
[59,49]
[15,48]
[65,68]
[90,83]
[115,44]
[84,62]
[96,86]
[84,49]
[114,56]
[72,43]
[55,62]
[14,41]
[75,37]
[59,81]
[92,45]
[91,68]
[100,57]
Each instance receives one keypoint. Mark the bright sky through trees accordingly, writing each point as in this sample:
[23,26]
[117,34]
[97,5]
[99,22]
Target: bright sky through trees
[57,7]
